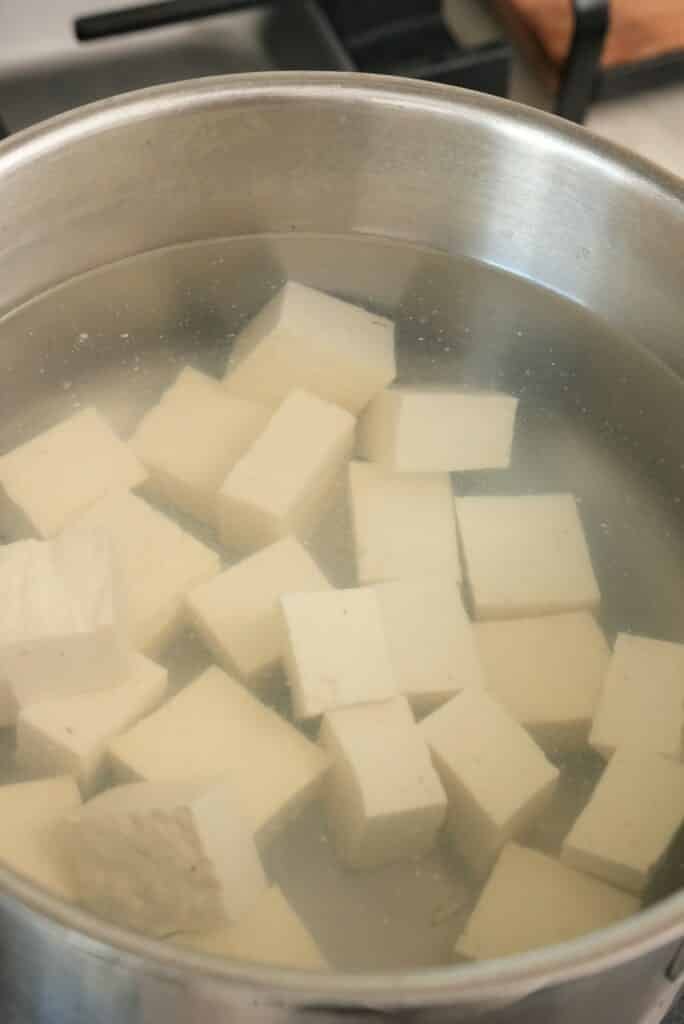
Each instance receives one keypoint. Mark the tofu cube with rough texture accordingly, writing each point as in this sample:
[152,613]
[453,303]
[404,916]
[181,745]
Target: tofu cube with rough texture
[496,777]
[215,728]
[162,857]
[160,563]
[531,900]
[69,736]
[431,640]
[634,813]
[412,431]
[384,800]
[190,440]
[642,701]
[48,481]
[403,524]
[283,483]
[303,338]
[237,613]
[547,672]
[526,556]
[336,653]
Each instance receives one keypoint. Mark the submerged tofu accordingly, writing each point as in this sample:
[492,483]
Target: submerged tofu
[384,799]
[47,482]
[162,857]
[303,338]
[531,900]
[642,701]
[192,438]
[547,672]
[526,556]
[413,431]
[70,736]
[632,817]
[496,777]
[283,482]
[215,728]
[403,524]
[238,614]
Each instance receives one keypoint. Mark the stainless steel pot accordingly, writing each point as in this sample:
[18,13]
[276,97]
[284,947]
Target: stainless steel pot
[333,154]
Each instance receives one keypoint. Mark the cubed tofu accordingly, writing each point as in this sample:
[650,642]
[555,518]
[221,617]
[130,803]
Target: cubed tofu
[69,736]
[47,482]
[625,830]
[384,799]
[547,672]
[215,728]
[336,653]
[531,900]
[160,564]
[303,338]
[642,701]
[526,556]
[284,481]
[412,431]
[496,777]
[31,813]
[190,440]
[238,615]
[162,857]
[431,640]
[403,524]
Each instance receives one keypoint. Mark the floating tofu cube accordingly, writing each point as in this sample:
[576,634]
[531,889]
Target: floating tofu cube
[283,483]
[162,857]
[642,701]
[413,431]
[431,640]
[238,615]
[403,524]
[190,440]
[160,564]
[336,652]
[47,482]
[384,799]
[625,830]
[303,338]
[496,777]
[547,672]
[31,813]
[214,729]
[526,556]
[531,900]
[69,736]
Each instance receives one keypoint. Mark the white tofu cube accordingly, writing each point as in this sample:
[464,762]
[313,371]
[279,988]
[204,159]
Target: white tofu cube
[431,640]
[496,777]
[547,672]
[238,615]
[625,830]
[413,431]
[214,729]
[531,900]
[403,524]
[283,482]
[160,564]
[70,736]
[642,701]
[384,799]
[303,338]
[47,482]
[336,652]
[190,440]
[162,857]
[526,556]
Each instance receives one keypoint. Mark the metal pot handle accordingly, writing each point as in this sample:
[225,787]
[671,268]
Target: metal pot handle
[578,78]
